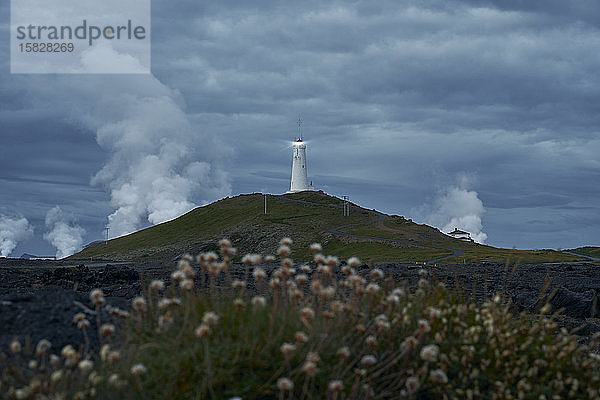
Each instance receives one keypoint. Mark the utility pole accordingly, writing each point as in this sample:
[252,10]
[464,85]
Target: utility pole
[265,204]
[106,229]
[346,206]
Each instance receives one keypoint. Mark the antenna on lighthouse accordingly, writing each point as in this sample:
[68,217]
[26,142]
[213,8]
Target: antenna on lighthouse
[300,128]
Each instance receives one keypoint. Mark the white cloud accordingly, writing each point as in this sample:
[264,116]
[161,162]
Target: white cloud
[63,234]
[13,231]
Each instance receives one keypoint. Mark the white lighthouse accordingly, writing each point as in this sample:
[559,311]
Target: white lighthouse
[299,181]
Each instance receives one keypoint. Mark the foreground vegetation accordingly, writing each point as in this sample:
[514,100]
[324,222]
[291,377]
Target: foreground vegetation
[302,332]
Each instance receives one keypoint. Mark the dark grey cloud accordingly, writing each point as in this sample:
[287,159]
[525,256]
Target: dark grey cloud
[498,68]
[399,98]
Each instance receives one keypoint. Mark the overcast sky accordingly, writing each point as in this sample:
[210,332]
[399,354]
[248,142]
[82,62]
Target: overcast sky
[481,114]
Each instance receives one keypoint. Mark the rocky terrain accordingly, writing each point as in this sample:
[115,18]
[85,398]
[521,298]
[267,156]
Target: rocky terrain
[39,298]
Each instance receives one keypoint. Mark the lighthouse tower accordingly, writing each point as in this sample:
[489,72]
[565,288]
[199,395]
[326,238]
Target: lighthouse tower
[299,182]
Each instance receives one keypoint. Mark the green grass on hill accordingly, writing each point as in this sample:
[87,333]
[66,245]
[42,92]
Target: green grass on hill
[240,218]
[383,252]
[414,233]
[492,254]
[305,220]
[315,197]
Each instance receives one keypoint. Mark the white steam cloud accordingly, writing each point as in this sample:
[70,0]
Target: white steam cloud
[459,207]
[158,166]
[12,231]
[63,234]
[153,173]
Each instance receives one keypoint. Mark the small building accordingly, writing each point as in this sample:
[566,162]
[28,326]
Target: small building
[460,235]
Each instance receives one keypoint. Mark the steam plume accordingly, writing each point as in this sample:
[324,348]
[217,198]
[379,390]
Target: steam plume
[159,166]
[12,231]
[63,234]
[459,207]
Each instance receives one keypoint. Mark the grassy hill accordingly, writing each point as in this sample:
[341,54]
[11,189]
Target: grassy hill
[306,217]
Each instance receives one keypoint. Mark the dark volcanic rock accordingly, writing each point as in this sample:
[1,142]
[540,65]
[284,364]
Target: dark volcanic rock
[572,286]
[41,302]
[48,314]
[576,305]
[40,299]
[112,274]
[44,314]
